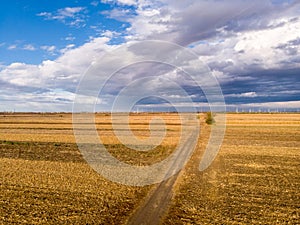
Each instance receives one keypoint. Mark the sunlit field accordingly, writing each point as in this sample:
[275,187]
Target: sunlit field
[254,179]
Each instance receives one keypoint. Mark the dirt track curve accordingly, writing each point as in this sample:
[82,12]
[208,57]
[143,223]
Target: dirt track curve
[152,211]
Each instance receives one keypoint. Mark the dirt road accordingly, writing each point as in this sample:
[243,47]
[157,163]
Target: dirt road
[152,211]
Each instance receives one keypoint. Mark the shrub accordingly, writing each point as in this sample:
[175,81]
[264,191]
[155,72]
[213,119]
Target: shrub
[210,118]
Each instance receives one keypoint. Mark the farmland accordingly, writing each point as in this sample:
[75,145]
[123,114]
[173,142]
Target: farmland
[254,179]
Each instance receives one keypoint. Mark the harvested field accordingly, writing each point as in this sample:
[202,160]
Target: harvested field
[254,179]
[44,178]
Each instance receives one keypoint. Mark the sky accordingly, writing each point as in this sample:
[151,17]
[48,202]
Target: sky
[251,48]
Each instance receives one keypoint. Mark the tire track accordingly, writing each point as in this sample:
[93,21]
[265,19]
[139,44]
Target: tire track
[156,204]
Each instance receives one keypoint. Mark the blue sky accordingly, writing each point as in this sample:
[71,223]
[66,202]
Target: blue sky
[28,27]
[251,47]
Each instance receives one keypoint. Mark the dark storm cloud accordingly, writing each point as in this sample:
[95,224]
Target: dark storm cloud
[204,23]
[268,86]
[192,21]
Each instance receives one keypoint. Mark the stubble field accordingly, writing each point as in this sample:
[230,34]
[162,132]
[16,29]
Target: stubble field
[254,179]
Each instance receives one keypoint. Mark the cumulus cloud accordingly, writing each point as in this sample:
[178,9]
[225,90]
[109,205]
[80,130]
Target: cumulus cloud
[236,37]
[45,80]
[189,21]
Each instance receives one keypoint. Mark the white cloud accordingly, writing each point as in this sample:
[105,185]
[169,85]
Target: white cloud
[120,2]
[252,50]
[48,48]
[29,47]
[36,81]
[70,11]
[68,47]
[56,101]
[73,16]
[260,45]
[70,38]
[244,95]
[274,105]
[21,74]
[12,47]
[244,33]
[188,21]
[119,14]
[63,74]
[110,34]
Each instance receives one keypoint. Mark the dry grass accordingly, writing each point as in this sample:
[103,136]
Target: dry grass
[58,127]
[255,178]
[44,178]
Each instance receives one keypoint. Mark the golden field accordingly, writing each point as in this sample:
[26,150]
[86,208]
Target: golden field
[254,179]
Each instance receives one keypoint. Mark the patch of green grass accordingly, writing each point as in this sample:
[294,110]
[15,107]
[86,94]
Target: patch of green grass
[8,142]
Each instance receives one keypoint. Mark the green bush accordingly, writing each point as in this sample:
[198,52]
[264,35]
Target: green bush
[210,118]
